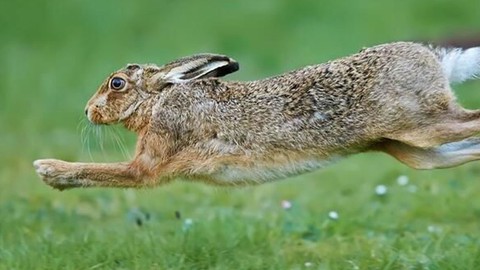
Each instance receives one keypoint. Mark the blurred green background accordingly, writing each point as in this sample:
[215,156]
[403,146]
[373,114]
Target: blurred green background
[54,54]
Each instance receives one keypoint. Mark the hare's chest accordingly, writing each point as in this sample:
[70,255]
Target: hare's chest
[260,173]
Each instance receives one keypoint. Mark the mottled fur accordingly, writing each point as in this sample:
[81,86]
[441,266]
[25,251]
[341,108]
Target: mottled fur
[393,98]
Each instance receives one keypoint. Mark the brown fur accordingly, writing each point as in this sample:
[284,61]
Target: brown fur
[393,98]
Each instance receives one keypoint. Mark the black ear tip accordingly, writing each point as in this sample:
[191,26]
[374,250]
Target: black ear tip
[234,66]
[231,67]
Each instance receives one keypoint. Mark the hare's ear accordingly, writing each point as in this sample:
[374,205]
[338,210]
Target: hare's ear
[198,67]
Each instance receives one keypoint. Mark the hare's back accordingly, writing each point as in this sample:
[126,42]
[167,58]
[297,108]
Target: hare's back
[345,103]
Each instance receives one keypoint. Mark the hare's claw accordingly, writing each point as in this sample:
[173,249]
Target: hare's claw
[56,173]
[44,167]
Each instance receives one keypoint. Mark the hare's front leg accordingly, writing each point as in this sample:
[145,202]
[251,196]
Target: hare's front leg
[63,175]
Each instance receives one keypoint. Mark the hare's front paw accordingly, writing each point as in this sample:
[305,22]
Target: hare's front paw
[56,173]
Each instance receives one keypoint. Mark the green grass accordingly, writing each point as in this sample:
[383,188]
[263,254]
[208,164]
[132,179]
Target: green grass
[55,53]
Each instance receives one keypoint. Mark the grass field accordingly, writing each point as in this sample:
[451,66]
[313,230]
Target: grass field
[55,53]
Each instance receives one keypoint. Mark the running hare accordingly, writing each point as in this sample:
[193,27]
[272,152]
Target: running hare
[395,98]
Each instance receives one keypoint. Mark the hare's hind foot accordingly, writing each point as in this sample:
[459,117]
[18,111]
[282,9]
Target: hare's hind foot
[443,156]
[446,142]
[450,126]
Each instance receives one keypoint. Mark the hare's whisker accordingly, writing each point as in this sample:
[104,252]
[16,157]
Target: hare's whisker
[120,143]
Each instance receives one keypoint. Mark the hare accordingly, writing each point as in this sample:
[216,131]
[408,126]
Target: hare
[394,98]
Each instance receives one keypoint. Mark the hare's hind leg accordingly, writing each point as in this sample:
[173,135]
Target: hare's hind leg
[454,125]
[443,156]
[449,122]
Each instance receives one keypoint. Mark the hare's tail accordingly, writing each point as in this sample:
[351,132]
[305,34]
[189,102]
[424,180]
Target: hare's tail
[458,64]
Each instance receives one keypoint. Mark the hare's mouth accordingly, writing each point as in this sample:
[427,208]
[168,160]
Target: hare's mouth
[97,118]
[94,117]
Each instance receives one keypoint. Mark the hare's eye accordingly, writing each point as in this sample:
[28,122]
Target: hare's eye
[117,83]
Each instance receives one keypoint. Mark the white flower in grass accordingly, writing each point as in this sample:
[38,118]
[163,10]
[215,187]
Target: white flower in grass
[308,264]
[381,190]
[402,180]
[286,204]
[187,223]
[333,215]
[434,229]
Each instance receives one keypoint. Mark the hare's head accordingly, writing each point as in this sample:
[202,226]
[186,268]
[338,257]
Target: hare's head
[124,91]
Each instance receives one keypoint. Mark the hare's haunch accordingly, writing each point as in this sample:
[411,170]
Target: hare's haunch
[395,98]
